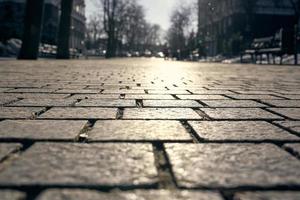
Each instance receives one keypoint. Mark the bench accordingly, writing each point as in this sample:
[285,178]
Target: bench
[278,45]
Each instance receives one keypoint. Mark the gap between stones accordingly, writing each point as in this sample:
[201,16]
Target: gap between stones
[195,137]
[42,112]
[83,134]
[163,166]
[275,113]
[139,103]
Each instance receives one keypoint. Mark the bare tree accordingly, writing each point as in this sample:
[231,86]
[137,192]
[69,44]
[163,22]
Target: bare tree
[125,25]
[179,31]
[113,12]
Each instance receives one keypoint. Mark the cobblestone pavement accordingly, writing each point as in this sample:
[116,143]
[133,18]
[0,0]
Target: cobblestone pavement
[148,129]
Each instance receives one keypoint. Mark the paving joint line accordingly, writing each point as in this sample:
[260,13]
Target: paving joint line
[291,151]
[196,138]
[276,113]
[83,136]
[139,103]
[164,169]
[286,129]
[201,113]
[120,113]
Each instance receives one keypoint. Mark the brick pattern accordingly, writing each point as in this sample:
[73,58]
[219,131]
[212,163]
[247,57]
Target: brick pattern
[148,129]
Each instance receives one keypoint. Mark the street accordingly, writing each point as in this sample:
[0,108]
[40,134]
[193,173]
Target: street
[145,128]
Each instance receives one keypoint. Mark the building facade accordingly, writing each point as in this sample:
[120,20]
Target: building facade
[228,26]
[78,27]
[12,19]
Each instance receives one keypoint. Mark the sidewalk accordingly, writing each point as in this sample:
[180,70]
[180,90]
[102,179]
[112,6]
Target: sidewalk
[148,129]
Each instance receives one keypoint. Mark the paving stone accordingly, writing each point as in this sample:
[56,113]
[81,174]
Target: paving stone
[239,113]
[138,130]
[8,148]
[40,130]
[77,91]
[31,90]
[232,165]
[293,113]
[268,195]
[19,112]
[148,96]
[107,103]
[202,91]
[291,92]
[44,102]
[80,113]
[256,92]
[250,97]
[65,86]
[4,89]
[233,103]
[291,125]
[130,195]
[294,147]
[12,195]
[6,100]
[283,103]
[201,97]
[291,96]
[96,96]
[82,164]
[33,95]
[123,92]
[168,92]
[172,103]
[160,113]
[240,131]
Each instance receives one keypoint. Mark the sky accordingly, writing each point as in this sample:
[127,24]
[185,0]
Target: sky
[157,11]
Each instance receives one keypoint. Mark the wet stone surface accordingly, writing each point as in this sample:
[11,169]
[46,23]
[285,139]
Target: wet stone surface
[232,104]
[291,125]
[239,113]
[43,102]
[137,194]
[160,113]
[232,165]
[106,103]
[41,130]
[241,131]
[148,129]
[82,164]
[256,96]
[19,112]
[12,195]
[80,113]
[201,97]
[283,103]
[148,96]
[6,149]
[292,113]
[172,103]
[273,195]
[138,130]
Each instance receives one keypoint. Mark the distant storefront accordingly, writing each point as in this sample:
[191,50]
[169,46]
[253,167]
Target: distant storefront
[12,17]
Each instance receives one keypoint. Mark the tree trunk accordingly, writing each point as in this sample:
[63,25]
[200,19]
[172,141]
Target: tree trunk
[63,51]
[296,45]
[32,30]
